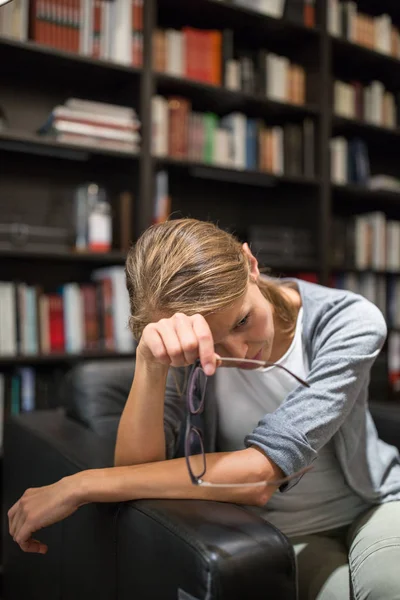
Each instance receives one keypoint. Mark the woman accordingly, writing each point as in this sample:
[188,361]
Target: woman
[196,293]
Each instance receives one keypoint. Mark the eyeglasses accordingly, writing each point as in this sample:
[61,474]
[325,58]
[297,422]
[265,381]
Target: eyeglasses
[194,444]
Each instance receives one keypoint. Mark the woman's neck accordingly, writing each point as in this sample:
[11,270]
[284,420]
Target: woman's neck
[282,339]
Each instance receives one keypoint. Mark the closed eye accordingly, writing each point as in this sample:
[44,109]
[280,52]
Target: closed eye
[243,322]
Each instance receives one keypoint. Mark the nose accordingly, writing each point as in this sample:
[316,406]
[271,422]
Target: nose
[232,348]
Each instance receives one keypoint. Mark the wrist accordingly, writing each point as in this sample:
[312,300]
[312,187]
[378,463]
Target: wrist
[152,368]
[80,486]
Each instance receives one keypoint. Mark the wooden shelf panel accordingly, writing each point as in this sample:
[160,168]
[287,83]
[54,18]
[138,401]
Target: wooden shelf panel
[109,258]
[227,100]
[10,361]
[29,143]
[221,14]
[229,175]
[351,127]
[360,193]
[33,51]
[360,62]
[349,269]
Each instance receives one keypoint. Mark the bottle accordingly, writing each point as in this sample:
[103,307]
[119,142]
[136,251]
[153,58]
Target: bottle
[99,221]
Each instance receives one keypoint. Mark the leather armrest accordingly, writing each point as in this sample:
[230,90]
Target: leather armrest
[39,449]
[205,550]
[142,549]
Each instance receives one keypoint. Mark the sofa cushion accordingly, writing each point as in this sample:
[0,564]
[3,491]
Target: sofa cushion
[94,393]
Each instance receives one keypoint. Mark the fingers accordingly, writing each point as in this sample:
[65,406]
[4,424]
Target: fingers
[179,341]
[33,545]
[155,343]
[206,344]
[167,330]
[187,338]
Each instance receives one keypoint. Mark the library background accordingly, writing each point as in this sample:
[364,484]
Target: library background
[277,119]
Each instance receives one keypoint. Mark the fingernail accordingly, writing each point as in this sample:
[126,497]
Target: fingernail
[208,369]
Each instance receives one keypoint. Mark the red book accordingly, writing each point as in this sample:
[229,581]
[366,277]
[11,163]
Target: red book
[56,323]
[90,317]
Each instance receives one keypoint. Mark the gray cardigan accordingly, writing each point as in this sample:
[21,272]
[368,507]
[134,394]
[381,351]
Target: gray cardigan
[342,335]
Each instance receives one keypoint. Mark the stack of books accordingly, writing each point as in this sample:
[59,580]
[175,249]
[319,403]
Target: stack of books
[94,124]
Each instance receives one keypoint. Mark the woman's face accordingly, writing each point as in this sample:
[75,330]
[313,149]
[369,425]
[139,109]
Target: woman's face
[246,330]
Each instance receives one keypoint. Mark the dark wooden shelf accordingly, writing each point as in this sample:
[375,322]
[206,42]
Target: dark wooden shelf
[29,49]
[29,143]
[227,100]
[349,269]
[342,125]
[350,58]
[360,193]
[230,175]
[225,14]
[9,361]
[109,258]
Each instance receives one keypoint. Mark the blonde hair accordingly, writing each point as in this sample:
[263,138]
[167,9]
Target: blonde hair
[192,266]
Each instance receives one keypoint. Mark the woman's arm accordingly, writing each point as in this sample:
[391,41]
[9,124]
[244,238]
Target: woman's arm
[156,402]
[140,437]
[41,507]
[345,342]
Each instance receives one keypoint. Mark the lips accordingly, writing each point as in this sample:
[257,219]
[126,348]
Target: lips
[258,355]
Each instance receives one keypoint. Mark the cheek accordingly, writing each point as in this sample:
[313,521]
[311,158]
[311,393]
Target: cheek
[263,326]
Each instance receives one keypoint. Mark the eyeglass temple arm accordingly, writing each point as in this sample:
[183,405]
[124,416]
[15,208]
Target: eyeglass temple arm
[299,379]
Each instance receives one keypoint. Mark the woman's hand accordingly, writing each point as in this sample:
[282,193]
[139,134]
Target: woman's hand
[40,507]
[179,341]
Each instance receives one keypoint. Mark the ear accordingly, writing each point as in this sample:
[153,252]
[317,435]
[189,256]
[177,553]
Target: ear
[254,270]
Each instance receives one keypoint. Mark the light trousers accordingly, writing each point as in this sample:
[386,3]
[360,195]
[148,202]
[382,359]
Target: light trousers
[357,562]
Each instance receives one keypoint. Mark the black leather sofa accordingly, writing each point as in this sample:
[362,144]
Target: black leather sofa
[139,550]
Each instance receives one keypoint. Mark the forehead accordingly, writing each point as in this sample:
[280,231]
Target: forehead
[222,321]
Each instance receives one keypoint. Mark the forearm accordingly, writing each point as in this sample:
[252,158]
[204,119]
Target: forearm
[170,479]
[141,436]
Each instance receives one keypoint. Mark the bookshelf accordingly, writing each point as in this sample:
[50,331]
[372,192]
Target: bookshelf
[235,197]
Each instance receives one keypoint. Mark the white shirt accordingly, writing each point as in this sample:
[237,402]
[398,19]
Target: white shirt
[322,499]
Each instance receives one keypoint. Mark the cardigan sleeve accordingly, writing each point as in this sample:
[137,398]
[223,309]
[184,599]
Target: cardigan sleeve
[344,344]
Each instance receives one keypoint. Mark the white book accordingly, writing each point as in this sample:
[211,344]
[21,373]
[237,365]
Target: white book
[232,75]
[180,51]
[160,126]
[272,8]
[107,16]
[221,155]
[68,113]
[392,245]
[95,130]
[86,27]
[334,22]
[351,9]
[100,108]
[278,152]
[174,60]
[9,323]
[239,140]
[273,77]
[377,222]
[377,92]
[361,242]
[121,48]
[339,152]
